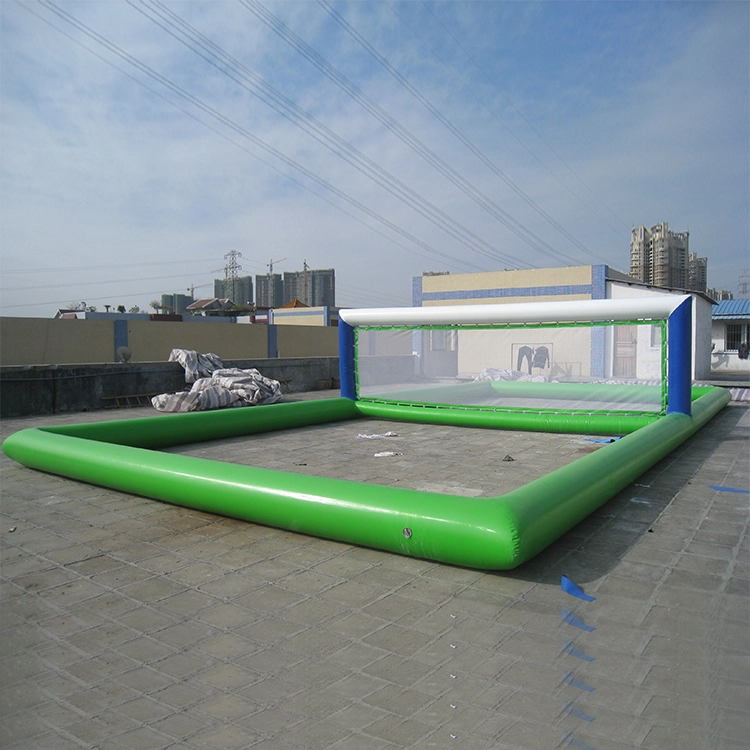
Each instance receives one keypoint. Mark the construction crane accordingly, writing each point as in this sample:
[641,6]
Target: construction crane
[270,265]
[193,287]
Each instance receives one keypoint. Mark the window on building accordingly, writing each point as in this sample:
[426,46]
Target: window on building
[656,335]
[736,333]
[442,340]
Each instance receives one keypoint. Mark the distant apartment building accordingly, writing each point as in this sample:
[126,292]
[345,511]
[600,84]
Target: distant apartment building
[269,290]
[720,295]
[312,287]
[315,288]
[239,290]
[661,257]
[697,273]
[175,304]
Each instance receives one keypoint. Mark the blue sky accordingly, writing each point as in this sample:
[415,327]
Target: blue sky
[142,142]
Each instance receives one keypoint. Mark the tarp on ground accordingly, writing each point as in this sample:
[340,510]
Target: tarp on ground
[216,387]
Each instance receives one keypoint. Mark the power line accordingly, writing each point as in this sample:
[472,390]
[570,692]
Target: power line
[395,127]
[357,292]
[108,267]
[100,283]
[372,298]
[254,84]
[505,97]
[449,125]
[39,303]
[245,134]
[454,262]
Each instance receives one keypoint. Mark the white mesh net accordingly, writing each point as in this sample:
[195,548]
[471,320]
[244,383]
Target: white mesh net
[589,367]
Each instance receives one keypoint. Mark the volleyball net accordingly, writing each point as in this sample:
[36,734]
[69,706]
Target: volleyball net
[602,356]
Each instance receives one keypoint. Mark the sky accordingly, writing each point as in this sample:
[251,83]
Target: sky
[141,142]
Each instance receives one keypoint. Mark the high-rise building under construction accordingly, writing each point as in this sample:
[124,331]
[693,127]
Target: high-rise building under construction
[269,290]
[316,288]
[239,290]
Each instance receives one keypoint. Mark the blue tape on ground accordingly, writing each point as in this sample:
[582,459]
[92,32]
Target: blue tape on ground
[570,588]
[603,440]
[570,648]
[571,679]
[571,619]
[719,488]
[575,742]
[573,711]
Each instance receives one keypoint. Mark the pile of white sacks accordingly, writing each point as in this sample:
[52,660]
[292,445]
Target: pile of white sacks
[214,386]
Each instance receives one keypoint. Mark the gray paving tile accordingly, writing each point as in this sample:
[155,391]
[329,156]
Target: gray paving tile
[128,623]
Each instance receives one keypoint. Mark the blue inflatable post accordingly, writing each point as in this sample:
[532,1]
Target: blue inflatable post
[679,358]
[346,361]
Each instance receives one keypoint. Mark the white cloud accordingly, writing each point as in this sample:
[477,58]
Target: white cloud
[97,169]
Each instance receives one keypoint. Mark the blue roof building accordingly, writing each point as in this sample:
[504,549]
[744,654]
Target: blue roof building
[730,336]
[730,309]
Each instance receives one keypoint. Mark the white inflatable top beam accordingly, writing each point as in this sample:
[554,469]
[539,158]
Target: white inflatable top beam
[655,307]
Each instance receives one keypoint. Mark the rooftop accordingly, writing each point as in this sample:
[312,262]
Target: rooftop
[210,303]
[731,308]
[131,623]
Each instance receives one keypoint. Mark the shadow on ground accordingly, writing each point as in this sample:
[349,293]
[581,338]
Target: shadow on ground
[595,546]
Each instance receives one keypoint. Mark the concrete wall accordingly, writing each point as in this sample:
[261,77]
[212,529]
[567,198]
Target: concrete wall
[389,370]
[152,341]
[36,341]
[569,351]
[303,316]
[387,343]
[40,341]
[53,389]
[306,341]
[723,360]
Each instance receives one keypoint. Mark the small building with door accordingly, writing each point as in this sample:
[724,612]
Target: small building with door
[730,337]
[629,352]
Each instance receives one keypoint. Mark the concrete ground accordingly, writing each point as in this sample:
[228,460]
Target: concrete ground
[128,623]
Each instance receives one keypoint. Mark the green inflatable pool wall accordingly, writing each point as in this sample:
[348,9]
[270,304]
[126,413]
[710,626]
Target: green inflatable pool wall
[486,533]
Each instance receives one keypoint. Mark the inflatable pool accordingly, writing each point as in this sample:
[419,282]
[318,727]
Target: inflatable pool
[487,533]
